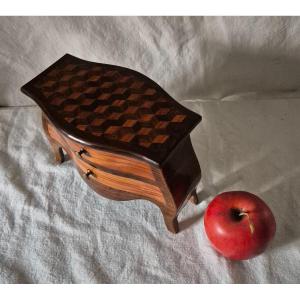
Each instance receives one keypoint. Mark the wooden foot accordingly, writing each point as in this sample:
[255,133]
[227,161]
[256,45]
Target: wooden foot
[56,148]
[58,152]
[172,223]
[194,198]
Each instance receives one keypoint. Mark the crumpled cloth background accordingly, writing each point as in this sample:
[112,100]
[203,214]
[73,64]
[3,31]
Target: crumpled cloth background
[242,74]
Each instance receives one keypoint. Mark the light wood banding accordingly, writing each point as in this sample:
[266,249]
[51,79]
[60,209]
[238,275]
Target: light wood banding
[122,183]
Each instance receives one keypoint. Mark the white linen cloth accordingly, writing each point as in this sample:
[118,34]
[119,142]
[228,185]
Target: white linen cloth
[240,74]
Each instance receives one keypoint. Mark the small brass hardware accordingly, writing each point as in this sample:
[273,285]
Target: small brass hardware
[80,152]
[88,173]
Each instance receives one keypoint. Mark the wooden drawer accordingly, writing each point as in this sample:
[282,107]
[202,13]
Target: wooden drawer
[112,161]
[117,182]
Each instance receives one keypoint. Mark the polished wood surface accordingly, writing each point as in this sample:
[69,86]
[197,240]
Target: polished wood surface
[113,161]
[169,187]
[118,108]
[126,136]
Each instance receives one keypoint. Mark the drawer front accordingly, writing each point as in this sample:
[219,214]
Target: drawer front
[91,158]
[112,161]
[120,183]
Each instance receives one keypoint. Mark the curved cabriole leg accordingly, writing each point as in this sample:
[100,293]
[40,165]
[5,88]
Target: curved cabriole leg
[194,198]
[56,147]
[171,223]
[182,173]
[58,152]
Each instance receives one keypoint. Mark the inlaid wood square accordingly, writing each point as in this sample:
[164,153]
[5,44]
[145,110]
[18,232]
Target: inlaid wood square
[113,106]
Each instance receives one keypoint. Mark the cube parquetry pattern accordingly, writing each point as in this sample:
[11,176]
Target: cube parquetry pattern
[112,104]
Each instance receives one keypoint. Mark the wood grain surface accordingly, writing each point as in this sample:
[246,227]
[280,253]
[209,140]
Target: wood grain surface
[120,177]
[99,104]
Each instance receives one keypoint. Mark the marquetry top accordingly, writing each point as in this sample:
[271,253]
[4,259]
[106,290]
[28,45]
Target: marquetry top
[112,107]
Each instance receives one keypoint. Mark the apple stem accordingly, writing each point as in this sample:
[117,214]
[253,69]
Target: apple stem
[250,223]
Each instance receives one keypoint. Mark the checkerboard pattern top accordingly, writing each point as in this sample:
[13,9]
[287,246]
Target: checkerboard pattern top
[106,105]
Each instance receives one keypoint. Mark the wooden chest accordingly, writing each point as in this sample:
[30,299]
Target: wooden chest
[127,137]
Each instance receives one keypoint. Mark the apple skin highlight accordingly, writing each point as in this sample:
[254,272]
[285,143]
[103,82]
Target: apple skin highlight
[239,225]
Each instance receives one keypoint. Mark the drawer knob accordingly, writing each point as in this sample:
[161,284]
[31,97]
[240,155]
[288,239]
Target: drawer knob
[80,152]
[88,173]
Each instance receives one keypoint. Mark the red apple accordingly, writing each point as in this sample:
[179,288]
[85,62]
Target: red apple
[239,224]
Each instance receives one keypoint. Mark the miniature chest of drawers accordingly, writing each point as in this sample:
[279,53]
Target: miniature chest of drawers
[127,137]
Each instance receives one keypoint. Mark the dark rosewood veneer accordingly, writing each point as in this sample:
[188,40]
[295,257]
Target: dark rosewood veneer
[127,137]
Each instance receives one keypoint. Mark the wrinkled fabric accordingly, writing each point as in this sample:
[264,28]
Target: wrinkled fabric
[240,74]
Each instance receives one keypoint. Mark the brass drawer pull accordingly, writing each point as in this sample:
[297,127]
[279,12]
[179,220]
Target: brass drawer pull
[80,152]
[88,173]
